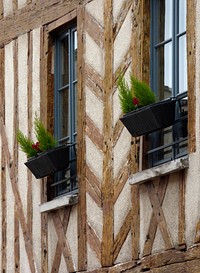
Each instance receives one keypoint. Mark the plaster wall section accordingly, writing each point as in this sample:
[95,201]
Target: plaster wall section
[9,118]
[72,235]
[122,42]
[36,109]
[7,7]
[192,198]
[21,3]
[92,262]
[24,264]
[117,5]
[96,9]
[94,109]
[52,243]
[22,112]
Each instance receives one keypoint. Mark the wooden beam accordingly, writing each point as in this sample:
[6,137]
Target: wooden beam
[94,241]
[94,134]
[181,224]
[107,184]
[94,29]
[33,15]
[62,240]
[191,71]
[82,245]
[3,168]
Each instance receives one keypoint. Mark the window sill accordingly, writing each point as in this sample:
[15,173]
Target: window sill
[164,169]
[67,200]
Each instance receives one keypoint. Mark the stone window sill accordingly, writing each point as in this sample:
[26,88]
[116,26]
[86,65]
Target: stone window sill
[58,203]
[164,169]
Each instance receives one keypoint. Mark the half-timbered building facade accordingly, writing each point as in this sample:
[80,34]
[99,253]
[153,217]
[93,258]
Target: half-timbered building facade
[125,204]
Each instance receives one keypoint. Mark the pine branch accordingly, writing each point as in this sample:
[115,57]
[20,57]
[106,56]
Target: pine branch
[26,144]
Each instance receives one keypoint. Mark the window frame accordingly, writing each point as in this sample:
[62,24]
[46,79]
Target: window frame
[154,45]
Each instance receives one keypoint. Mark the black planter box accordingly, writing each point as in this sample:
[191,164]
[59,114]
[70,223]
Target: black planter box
[49,162]
[150,118]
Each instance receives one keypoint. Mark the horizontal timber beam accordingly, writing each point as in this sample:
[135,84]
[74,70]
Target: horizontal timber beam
[34,15]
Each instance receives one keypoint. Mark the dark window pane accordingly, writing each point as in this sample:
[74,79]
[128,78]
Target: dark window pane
[64,114]
[64,62]
[164,20]
[165,71]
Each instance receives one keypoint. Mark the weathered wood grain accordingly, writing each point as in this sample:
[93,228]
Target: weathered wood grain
[94,29]
[191,70]
[161,190]
[159,215]
[122,234]
[34,15]
[62,240]
[3,169]
[107,184]
[93,132]
[58,252]
[82,247]
[94,81]
[18,201]
[181,224]
[15,155]
[94,241]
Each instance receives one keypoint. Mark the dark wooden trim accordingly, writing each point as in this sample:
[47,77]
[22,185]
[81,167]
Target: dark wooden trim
[3,169]
[93,133]
[82,217]
[107,184]
[15,154]
[191,70]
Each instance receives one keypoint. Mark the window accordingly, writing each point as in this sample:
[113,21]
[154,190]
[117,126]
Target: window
[65,107]
[169,76]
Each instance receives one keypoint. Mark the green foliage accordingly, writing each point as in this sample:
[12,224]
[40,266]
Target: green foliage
[137,95]
[44,142]
[125,95]
[45,139]
[142,92]
[26,144]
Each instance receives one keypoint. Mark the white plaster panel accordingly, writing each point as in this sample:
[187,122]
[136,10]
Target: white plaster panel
[121,208]
[121,151]
[24,264]
[93,54]
[7,7]
[171,206]
[93,261]
[192,197]
[122,41]
[72,235]
[10,224]
[125,254]
[9,93]
[94,158]
[62,266]
[158,244]
[36,72]
[94,215]
[23,112]
[52,241]
[95,7]
[21,3]
[94,109]
[36,200]
[145,215]
[116,8]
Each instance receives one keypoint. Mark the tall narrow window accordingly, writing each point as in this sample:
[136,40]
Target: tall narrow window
[65,106]
[169,75]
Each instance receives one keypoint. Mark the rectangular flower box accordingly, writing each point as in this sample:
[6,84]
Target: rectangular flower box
[150,118]
[49,162]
